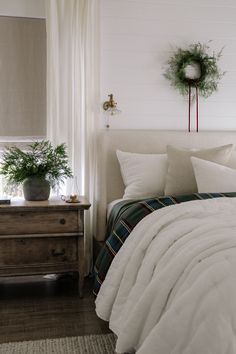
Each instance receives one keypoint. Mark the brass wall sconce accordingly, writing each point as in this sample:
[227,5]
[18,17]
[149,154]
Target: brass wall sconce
[110,108]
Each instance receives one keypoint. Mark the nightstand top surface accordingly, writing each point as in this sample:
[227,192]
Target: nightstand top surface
[52,203]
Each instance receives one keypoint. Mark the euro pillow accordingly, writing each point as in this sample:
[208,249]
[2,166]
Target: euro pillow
[143,174]
[180,177]
[212,177]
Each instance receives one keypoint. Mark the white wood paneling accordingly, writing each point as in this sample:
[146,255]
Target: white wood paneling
[138,37]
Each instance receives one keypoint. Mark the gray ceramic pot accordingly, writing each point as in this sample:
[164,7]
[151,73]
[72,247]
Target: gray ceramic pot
[36,188]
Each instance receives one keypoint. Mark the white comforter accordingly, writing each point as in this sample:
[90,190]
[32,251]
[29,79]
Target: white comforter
[172,287]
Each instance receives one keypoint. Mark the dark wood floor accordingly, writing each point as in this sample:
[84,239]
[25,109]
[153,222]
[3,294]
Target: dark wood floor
[35,308]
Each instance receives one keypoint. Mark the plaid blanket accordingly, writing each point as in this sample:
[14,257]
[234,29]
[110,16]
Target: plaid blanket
[125,216]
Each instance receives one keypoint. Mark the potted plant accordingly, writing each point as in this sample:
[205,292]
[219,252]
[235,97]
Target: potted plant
[38,168]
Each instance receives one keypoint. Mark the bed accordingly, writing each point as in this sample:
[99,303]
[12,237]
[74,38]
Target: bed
[168,263]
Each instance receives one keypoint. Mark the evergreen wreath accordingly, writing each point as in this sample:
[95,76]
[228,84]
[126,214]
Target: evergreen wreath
[194,67]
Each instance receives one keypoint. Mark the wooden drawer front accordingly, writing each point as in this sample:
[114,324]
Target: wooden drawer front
[32,222]
[25,251]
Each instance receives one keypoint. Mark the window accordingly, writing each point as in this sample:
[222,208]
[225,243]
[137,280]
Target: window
[22,82]
[23,77]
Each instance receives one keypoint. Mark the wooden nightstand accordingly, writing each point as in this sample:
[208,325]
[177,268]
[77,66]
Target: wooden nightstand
[42,238]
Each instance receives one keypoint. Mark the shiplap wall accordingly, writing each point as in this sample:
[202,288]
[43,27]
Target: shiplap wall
[137,37]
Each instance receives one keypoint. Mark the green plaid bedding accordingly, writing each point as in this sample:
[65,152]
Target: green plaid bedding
[125,216]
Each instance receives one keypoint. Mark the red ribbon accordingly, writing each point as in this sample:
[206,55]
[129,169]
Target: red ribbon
[196,109]
[189,108]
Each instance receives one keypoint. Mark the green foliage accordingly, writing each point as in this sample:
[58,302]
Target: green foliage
[210,73]
[40,159]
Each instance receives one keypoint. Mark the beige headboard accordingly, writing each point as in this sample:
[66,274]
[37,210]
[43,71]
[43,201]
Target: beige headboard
[109,181]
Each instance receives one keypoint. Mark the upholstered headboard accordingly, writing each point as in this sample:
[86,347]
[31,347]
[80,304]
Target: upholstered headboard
[109,181]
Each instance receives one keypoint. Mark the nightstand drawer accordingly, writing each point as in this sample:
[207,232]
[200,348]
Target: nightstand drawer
[42,237]
[40,222]
[40,250]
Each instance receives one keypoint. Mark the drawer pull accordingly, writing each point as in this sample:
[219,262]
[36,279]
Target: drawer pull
[22,241]
[57,254]
[62,221]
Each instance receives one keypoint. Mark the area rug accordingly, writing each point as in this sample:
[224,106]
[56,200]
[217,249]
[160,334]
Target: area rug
[92,344]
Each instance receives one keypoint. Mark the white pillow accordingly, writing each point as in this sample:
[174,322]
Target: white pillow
[143,174]
[212,177]
[180,176]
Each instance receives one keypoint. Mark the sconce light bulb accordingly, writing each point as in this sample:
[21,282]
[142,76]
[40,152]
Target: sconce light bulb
[110,109]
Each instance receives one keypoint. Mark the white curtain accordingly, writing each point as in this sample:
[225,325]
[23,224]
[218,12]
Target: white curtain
[73,91]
